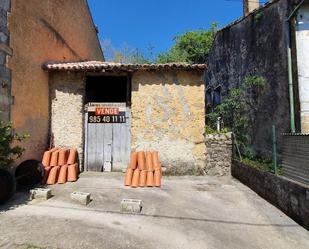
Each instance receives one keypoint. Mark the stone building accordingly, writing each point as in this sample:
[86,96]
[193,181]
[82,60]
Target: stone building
[272,42]
[108,109]
[32,32]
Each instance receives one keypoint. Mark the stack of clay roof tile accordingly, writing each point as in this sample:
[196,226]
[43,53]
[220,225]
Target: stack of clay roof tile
[60,166]
[144,170]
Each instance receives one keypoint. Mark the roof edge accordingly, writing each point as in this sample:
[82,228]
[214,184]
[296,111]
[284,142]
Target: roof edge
[102,66]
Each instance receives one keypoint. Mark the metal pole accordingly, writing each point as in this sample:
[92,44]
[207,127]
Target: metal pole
[290,77]
[219,124]
[237,148]
[274,152]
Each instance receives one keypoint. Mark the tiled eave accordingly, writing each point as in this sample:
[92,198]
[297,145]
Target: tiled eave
[101,66]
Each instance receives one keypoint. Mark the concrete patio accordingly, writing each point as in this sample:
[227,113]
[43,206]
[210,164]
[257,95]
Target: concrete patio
[187,212]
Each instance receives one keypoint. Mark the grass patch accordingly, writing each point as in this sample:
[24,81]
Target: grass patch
[209,130]
[262,165]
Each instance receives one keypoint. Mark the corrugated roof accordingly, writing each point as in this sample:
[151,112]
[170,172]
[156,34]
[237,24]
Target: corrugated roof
[102,66]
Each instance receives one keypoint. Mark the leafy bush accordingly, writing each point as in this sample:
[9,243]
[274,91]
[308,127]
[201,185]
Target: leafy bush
[8,152]
[238,110]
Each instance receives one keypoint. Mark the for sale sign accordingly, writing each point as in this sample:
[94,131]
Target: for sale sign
[106,113]
[102,111]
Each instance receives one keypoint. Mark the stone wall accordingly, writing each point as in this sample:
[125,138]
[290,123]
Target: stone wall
[218,154]
[168,116]
[5,51]
[256,46]
[290,197]
[67,93]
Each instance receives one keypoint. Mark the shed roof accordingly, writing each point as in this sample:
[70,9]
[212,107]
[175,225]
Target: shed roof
[102,66]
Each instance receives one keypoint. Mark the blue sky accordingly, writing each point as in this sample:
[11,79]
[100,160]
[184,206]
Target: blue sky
[144,23]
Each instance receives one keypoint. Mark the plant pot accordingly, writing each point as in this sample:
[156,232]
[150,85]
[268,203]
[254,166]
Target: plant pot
[7,185]
[128,177]
[157,178]
[141,160]
[133,163]
[53,149]
[72,172]
[54,158]
[150,181]
[72,156]
[155,160]
[46,174]
[63,174]
[143,178]
[149,165]
[135,179]
[53,175]
[62,158]
[46,158]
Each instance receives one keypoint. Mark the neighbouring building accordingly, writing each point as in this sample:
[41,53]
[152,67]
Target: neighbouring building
[5,51]
[108,109]
[301,19]
[271,41]
[32,32]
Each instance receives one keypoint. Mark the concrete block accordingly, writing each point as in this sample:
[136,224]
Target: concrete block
[81,197]
[40,193]
[131,206]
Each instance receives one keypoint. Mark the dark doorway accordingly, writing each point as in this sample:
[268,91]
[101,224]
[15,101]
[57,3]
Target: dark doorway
[108,89]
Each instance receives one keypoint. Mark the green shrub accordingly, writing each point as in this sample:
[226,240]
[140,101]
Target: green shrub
[238,111]
[9,152]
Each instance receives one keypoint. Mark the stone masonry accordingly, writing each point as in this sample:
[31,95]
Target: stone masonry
[5,51]
[67,111]
[218,154]
[168,116]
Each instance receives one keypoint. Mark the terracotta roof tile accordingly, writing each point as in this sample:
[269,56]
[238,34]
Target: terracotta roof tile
[101,66]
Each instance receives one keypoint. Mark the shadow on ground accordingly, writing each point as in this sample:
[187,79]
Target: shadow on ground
[20,197]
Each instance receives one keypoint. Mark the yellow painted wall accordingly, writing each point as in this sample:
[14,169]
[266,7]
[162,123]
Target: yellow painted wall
[44,30]
[168,116]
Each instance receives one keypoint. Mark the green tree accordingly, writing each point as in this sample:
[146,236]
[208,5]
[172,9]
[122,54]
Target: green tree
[190,47]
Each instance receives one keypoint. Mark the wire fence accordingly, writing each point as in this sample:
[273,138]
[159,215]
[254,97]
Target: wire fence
[292,161]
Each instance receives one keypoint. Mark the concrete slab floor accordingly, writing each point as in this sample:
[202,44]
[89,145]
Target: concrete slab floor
[187,212]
